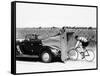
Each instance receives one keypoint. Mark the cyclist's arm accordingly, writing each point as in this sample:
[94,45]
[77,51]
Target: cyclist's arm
[77,44]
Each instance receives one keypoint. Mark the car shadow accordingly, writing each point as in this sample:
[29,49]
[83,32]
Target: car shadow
[28,59]
[36,59]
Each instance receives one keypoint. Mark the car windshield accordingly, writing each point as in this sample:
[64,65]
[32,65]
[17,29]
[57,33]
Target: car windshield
[31,36]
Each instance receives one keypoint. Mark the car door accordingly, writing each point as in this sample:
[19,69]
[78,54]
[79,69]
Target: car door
[36,47]
[26,47]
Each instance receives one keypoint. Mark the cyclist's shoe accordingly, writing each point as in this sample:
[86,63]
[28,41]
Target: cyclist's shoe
[83,57]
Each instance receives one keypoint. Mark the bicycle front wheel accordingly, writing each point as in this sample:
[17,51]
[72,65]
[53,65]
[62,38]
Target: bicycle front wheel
[89,55]
[73,54]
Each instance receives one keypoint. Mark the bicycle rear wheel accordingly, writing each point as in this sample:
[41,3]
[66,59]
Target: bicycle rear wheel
[73,54]
[89,55]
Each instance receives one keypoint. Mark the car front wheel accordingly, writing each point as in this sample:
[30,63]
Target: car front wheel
[46,57]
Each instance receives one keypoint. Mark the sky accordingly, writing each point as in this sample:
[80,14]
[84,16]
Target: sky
[41,15]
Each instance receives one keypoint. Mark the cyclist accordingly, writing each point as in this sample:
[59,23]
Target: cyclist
[82,43]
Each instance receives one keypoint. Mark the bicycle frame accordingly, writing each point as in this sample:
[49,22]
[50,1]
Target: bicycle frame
[85,50]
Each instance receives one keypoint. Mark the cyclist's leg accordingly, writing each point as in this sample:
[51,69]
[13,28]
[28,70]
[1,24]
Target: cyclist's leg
[83,52]
[84,45]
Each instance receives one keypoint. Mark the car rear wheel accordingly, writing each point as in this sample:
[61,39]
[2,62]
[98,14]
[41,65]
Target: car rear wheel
[46,57]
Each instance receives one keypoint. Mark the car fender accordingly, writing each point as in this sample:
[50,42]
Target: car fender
[54,50]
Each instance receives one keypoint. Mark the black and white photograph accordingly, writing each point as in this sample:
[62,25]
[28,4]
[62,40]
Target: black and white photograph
[52,37]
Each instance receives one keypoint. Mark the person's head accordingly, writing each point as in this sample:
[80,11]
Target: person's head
[76,37]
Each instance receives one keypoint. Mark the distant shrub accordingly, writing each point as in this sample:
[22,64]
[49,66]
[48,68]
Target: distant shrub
[47,32]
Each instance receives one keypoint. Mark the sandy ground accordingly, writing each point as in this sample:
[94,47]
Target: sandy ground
[24,67]
[31,66]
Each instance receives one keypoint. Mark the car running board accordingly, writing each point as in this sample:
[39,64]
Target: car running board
[28,56]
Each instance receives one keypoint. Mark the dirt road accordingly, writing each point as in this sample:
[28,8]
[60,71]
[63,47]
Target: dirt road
[24,67]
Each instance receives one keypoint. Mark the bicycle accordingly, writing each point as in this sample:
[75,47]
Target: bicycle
[88,54]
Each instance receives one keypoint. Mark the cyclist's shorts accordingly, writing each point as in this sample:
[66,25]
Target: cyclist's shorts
[85,44]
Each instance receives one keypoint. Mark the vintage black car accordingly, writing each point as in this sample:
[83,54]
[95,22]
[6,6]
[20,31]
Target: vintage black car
[31,46]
